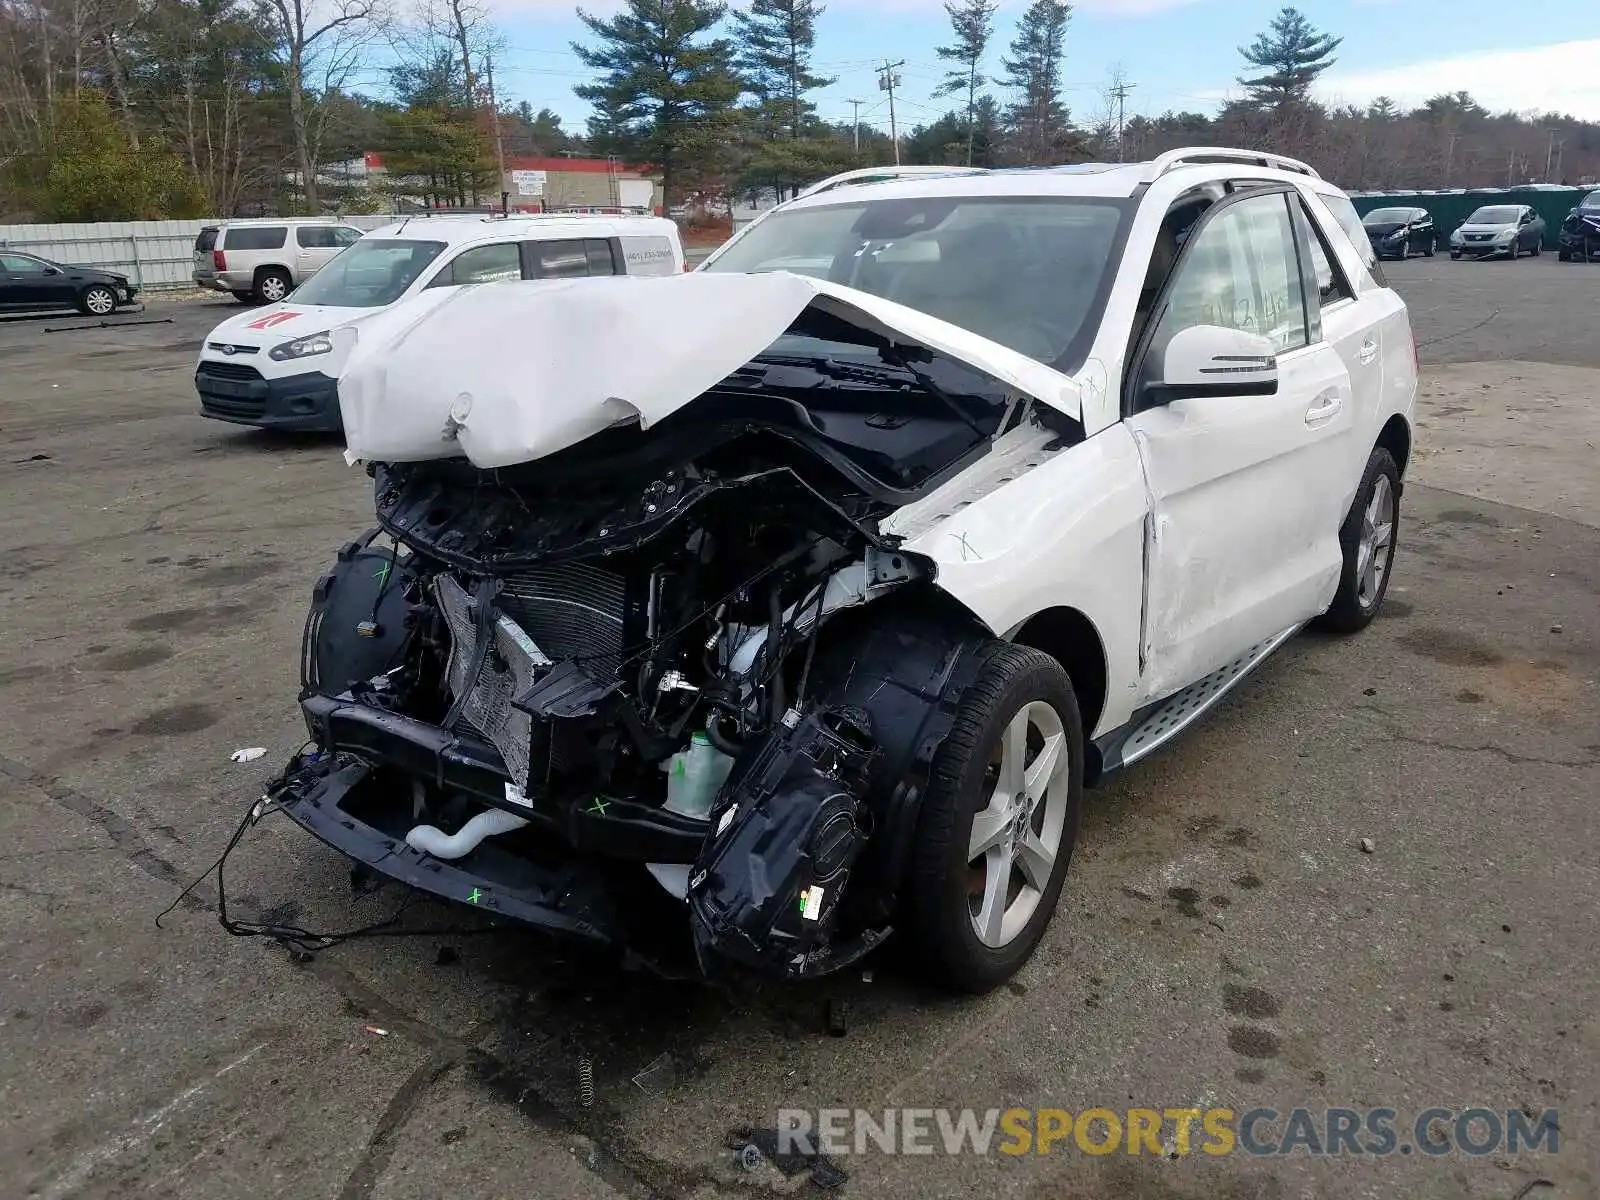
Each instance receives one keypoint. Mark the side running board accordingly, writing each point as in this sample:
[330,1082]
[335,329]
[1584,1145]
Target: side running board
[1157,724]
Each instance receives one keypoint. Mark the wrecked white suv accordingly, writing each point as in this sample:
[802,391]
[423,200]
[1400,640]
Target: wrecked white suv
[749,615]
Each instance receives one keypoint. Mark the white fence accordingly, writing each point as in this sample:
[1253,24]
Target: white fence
[153,254]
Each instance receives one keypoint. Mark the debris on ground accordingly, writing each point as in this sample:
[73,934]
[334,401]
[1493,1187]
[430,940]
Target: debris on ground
[1368,846]
[837,1017]
[248,754]
[752,1147]
[659,1076]
[376,1032]
[448,956]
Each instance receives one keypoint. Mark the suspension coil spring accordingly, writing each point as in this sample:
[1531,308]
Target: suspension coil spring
[586,1082]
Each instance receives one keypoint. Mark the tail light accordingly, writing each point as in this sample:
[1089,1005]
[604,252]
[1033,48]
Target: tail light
[219,260]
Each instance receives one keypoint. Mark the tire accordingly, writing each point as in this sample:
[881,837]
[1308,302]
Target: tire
[1538,248]
[1430,247]
[97,301]
[244,297]
[272,285]
[1455,254]
[1017,684]
[1358,599]
[1563,255]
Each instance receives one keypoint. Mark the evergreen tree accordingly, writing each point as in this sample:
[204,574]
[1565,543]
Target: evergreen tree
[1038,121]
[1290,56]
[972,22]
[956,138]
[665,84]
[1383,109]
[776,41]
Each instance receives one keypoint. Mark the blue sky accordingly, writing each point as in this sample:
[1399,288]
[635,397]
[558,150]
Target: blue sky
[1181,54]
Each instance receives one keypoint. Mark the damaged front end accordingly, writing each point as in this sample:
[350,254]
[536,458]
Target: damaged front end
[668,690]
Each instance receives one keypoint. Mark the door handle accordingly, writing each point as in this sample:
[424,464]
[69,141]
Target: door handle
[1324,407]
[1368,352]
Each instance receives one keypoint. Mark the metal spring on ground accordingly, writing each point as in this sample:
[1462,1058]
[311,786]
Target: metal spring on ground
[585,1083]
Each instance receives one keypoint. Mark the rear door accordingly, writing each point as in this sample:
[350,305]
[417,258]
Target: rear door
[314,245]
[33,283]
[1245,491]
[570,258]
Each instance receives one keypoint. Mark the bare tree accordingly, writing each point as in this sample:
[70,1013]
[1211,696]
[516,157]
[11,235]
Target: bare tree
[319,43]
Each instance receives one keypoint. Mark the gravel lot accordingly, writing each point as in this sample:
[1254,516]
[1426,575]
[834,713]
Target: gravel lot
[1223,939]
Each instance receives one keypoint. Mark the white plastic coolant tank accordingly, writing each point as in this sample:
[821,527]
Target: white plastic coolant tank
[695,776]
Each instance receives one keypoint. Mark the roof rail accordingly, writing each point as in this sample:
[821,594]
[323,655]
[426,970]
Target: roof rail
[883,175]
[1194,155]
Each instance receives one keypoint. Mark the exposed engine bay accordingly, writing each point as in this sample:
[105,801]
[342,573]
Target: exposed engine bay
[642,674]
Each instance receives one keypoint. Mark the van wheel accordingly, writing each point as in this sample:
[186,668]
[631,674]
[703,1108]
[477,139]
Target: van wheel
[272,285]
[998,824]
[1368,540]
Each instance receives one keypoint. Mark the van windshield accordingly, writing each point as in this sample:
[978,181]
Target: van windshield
[369,274]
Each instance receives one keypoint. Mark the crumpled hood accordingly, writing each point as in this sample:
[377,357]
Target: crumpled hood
[510,372]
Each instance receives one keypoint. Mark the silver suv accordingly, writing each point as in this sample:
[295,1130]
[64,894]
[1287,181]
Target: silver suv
[261,262]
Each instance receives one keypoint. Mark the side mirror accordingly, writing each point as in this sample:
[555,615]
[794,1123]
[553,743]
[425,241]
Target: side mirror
[1210,360]
[52,270]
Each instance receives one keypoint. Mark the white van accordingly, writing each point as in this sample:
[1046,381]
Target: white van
[261,367]
[262,261]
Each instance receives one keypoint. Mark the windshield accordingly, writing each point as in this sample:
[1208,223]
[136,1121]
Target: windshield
[1388,216]
[1025,272]
[369,274]
[1590,202]
[1502,215]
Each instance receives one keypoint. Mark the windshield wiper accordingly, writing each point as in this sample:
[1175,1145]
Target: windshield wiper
[898,367]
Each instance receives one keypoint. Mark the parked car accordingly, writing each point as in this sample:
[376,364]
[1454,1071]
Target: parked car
[748,615]
[30,282]
[1580,232]
[1396,232]
[1499,229]
[269,366]
[261,262]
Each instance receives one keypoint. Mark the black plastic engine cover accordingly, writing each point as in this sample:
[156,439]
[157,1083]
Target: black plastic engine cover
[786,833]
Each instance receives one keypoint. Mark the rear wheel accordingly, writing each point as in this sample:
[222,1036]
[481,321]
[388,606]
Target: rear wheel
[272,285]
[1368,539]
[998,823]
[97,301]
[1430,246]
[1538,248]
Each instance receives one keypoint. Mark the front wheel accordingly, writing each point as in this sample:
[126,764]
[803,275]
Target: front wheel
[97,301]
[999,822]
[1455,254]
[1368,539]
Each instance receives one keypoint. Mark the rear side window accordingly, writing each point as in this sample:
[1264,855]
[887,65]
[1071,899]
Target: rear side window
[206,240]
[255,237]
[1332,287]
[572,259]
[344,235]
[1350,221]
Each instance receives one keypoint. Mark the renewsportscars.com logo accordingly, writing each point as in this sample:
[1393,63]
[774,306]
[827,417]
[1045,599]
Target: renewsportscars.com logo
[1374,1132]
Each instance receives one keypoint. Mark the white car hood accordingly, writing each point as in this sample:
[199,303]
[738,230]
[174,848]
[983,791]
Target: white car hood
[510,372]
[283,322]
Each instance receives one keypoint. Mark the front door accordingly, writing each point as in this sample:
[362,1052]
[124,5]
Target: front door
[1242,538]
[25,283]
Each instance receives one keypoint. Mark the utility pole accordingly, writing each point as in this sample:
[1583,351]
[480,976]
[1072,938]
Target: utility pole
[1450,157]
[887,82]
[494,113]
[856,121]
[1120,92]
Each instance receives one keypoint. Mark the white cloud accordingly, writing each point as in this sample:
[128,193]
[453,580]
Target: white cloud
[1098,8]
[1555,78]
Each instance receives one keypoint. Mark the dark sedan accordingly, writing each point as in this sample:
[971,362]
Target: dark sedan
[31,283]
[1396,232]
[1580,232]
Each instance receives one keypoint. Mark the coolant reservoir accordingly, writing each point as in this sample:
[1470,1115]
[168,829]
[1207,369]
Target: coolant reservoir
[695,776]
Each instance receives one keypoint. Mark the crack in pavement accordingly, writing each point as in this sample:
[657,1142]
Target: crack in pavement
[380,1148]
[1508,755]
[124,835]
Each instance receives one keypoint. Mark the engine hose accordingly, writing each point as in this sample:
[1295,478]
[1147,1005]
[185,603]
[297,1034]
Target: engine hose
[775,646]
[732,747]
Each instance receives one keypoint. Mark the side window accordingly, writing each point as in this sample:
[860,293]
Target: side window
[601,260]
[255,237]
[1240,271]
[1350,221]
[17,264]
[345,235]
[310,236]
[1332,287]
[560,260]
[481,264]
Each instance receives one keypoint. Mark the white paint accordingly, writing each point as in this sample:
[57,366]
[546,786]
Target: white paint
[144,1128]
[549,365]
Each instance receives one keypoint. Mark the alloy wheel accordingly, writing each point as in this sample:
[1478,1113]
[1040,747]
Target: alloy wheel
[1016,836]
[1377,537]
[99,301]
[273,289]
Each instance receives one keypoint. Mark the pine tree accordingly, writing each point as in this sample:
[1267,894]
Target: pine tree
[665,85]
[776,41]
[1291,55]
[1039,122]
[972,22]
